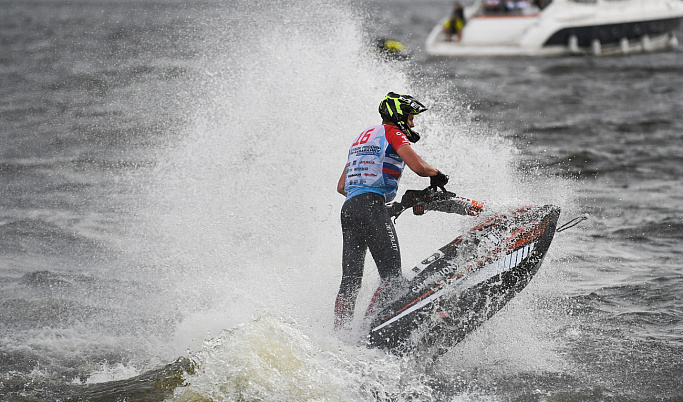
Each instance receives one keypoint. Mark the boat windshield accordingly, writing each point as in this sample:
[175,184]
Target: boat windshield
[513,7]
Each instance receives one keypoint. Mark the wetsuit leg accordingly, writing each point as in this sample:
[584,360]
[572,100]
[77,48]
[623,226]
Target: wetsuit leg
[353,260]
[383,244]
[382,240]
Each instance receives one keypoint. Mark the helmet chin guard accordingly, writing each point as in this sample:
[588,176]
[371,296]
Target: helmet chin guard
[412,135]
[396,108]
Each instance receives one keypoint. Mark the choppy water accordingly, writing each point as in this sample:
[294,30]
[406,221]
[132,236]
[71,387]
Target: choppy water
[169,226]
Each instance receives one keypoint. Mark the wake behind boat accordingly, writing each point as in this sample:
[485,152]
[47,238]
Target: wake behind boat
[560,27]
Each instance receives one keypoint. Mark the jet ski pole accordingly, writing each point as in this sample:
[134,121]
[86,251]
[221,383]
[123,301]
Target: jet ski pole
[572,223]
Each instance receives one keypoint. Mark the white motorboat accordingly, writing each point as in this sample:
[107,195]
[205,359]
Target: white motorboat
[555,27]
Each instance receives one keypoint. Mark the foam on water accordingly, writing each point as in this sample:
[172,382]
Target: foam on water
[272,359]
[114,372]
[241,219]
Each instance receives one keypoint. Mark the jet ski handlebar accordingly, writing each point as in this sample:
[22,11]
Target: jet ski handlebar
[434,199]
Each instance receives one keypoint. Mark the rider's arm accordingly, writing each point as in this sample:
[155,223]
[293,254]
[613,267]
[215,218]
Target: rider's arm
[415,163]
[341,182]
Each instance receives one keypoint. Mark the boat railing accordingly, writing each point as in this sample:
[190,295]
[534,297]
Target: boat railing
[511,7]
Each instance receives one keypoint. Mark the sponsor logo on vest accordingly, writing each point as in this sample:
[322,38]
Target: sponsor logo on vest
[366,150]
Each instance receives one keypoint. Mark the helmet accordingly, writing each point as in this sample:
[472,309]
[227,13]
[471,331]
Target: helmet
[396,108]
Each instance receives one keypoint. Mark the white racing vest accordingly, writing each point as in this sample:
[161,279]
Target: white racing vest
[373,165]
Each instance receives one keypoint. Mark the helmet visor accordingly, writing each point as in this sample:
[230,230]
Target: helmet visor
[415,105]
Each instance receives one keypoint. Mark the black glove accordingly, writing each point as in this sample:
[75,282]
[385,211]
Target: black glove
[438,180]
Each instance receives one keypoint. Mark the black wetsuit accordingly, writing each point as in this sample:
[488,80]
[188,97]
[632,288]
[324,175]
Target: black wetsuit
[366,224]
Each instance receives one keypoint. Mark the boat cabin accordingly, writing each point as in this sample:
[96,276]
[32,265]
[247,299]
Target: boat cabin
[512,7]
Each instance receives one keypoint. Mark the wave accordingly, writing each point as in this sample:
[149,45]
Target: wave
[46,238]
[667,228]
[269,359]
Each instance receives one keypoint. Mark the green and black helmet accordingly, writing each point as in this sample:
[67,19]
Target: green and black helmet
[396,108]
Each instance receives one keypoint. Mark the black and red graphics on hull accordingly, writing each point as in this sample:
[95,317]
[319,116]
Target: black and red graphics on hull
[467,281]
